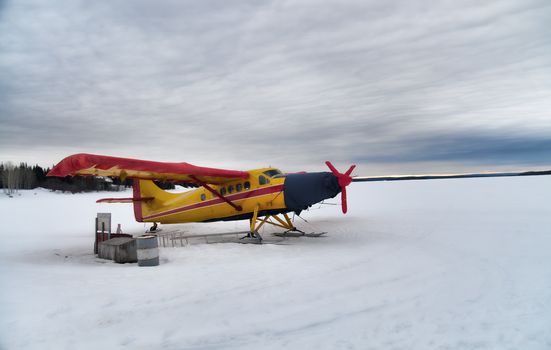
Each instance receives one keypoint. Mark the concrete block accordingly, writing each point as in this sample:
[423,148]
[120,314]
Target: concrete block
[120,250]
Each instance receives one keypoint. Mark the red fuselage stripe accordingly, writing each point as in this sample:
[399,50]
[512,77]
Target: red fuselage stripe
[233,197]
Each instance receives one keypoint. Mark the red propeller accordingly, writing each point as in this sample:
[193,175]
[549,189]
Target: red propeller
[344,180]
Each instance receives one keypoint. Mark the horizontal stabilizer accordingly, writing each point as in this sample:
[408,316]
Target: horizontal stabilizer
[446,176]
[123,200]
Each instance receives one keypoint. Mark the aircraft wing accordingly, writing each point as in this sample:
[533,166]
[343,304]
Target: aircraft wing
[446,176]
[96,165]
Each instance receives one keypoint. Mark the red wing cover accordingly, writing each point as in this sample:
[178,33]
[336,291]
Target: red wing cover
[96,165]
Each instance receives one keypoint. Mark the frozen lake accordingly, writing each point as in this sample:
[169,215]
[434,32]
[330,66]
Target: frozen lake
[446,264]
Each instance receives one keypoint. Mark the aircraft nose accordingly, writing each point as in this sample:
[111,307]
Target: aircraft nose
[303,190]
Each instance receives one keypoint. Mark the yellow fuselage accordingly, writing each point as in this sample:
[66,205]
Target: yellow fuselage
[259,192]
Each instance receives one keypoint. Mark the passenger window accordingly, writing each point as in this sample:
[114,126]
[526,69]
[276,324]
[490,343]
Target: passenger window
[238,187]
[223,191]
[203,196]
[230,189]
[247,185]
[262,180]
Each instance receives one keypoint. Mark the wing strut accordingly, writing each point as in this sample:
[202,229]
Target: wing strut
[216,193]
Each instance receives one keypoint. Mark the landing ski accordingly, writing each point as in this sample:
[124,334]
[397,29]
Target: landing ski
[299,234]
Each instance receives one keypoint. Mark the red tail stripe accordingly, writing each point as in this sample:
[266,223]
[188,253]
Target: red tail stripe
[136,193]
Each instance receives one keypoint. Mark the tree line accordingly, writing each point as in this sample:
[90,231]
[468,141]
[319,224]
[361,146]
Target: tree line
[24,177]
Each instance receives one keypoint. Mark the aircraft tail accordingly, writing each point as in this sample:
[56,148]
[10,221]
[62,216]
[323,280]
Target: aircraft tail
[147,198]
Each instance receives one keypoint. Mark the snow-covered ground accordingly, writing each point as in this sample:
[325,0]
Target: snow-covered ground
[447,264]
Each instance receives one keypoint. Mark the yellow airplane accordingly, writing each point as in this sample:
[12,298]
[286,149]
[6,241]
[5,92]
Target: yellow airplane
[262,196]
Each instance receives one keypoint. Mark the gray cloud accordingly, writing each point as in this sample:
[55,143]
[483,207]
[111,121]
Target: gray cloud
[290,83]
[472,147]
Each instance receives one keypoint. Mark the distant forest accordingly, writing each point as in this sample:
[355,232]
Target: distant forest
[24,177]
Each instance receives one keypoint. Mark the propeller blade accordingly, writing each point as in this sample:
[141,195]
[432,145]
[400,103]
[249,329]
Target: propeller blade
[343,201]
[349,171]
[332,168]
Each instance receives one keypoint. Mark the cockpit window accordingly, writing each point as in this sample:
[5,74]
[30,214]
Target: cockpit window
[263,180]
[272,172]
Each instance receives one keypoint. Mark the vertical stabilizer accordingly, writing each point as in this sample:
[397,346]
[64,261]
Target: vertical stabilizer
[156,197]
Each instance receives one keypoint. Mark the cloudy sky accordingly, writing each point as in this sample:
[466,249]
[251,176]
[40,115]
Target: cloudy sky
[390,85]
